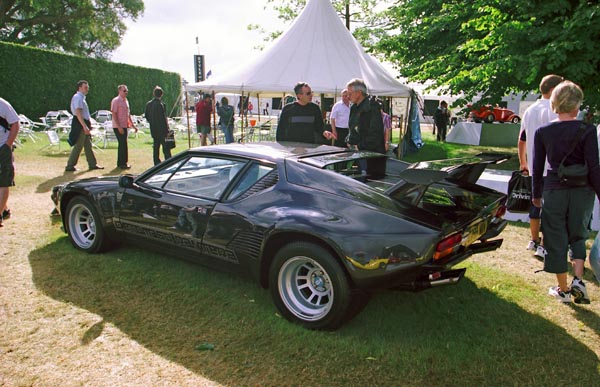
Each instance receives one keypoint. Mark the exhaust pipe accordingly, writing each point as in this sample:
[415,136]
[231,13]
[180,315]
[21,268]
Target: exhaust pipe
[439,278]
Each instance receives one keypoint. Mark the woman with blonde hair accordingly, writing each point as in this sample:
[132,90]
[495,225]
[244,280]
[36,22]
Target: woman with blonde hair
[567,209]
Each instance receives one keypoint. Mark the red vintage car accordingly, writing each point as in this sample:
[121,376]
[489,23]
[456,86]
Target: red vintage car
[490,114]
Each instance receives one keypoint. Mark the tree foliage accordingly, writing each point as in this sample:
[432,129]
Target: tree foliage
[489,48]
[84,27]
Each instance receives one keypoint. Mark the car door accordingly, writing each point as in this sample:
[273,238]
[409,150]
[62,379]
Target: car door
[171,207]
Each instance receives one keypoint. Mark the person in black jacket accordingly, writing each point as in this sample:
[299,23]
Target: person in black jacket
[441,118]
[159,125]
[366,124]
[302,121]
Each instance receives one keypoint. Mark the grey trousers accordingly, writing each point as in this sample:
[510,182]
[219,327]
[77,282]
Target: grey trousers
[83,142]
[566,223]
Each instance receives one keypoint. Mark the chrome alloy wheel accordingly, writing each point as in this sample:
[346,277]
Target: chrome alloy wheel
[305,288]
[82,226]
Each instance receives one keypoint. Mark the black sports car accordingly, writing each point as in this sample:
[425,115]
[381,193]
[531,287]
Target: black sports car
[317,225]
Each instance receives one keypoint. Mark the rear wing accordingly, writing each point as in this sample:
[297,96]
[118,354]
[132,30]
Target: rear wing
[461,170]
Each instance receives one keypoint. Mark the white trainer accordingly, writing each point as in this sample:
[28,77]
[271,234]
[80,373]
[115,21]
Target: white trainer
[561,296]
[540,252]
[579,292]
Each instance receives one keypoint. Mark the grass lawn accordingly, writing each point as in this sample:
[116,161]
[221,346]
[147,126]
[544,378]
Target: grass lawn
[133,317]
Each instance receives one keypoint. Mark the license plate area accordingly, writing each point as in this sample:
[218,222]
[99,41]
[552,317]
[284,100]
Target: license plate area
[474,232]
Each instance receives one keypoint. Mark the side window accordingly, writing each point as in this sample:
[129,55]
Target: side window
[251,176]
[160,178]
[197,176]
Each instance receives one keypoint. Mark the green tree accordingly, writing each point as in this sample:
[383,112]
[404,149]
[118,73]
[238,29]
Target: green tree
[84,27]
[490,48]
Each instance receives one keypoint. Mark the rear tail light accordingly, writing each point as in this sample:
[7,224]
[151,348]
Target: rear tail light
[501,211]
[447,245]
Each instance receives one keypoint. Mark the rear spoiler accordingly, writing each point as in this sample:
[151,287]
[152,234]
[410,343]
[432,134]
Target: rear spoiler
[462,170]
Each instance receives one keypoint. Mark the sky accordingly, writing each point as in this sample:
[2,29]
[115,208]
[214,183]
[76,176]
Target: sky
[165,36]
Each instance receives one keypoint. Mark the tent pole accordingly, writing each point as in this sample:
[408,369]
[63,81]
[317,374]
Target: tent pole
[187,114]
[258,105]
[214,117]
[242,113]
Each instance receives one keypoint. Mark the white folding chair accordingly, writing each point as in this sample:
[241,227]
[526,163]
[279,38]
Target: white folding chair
[53,140]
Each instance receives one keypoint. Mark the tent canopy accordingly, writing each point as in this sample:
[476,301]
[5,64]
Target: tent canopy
[317,49]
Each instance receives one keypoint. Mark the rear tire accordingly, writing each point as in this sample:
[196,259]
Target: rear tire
[309,286]
[84,226]
[490,118]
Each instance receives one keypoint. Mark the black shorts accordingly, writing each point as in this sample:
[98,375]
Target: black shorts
[7,168]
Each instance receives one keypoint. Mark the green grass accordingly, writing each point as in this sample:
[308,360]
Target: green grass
[495,328]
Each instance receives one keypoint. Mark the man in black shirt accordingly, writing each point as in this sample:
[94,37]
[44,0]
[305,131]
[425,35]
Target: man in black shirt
[159,125]
[302,120]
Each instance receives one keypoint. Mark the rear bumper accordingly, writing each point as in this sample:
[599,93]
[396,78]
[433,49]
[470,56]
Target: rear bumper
[431,274]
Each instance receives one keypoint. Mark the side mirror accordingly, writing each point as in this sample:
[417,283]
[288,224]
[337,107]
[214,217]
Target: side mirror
[126,181]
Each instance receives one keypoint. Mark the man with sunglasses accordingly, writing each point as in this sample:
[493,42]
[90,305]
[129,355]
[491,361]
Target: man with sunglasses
[302,120]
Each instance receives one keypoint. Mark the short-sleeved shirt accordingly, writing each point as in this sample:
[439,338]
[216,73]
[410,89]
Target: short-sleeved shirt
[203,110]
[341,113]
[538,114]
[120,112]
[10,115]
[78,102]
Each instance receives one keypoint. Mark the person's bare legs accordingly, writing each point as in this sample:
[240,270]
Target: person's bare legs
[3,200]
[562,281]
[534,228]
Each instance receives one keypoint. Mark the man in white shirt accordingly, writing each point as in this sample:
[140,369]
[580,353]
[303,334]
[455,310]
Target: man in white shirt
[340,113]
[536,115]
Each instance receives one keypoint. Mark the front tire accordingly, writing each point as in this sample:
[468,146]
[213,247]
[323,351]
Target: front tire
[309,286]
[84,226]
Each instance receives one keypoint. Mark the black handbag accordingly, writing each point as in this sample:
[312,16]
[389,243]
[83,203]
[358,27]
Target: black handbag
[574,175]
[519,193]
[170,139]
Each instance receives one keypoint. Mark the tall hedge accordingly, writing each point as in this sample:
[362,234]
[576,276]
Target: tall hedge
[35,81]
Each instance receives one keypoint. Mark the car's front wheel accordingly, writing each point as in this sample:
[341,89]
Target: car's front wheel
[515,120]
[84,226]
[309,286]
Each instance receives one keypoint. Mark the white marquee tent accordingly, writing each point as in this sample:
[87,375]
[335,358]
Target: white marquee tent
[317,49]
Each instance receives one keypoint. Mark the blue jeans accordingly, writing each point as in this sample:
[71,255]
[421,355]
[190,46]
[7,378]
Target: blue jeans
[228,131]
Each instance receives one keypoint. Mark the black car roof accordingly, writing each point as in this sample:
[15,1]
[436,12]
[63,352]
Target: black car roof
[271,151]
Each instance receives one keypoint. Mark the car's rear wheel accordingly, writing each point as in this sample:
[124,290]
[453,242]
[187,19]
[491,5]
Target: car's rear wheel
[490,118]
[84,226]
[309,286]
